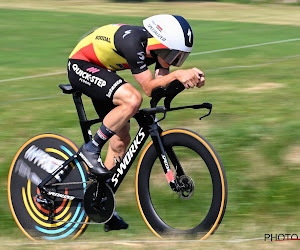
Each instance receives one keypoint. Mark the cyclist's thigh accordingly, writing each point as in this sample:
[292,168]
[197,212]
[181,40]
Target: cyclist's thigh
[127,94]
[97,83]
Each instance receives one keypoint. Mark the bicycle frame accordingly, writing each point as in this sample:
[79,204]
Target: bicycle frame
[149,125]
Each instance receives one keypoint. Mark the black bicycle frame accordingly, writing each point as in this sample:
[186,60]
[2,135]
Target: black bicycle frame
[148,126]
[148,123]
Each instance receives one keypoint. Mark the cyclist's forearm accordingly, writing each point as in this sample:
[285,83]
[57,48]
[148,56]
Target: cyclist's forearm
[145,79]
[160,81]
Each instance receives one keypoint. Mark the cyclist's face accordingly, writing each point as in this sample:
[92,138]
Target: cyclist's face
[163,62]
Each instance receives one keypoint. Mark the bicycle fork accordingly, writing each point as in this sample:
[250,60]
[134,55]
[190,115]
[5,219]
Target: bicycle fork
[155,131]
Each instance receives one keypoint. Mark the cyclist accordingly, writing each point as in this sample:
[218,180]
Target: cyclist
[164,40]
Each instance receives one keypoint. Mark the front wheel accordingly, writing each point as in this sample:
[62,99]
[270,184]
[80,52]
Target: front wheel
[198,208]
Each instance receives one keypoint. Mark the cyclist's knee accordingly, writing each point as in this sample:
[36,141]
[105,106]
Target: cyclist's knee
[135,101]
[129,97]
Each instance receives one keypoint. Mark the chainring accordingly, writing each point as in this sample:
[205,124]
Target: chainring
[99,202]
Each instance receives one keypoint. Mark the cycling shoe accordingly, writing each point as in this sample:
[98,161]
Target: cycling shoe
[115,223]
[93,161]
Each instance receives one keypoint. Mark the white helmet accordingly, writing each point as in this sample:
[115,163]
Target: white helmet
[172,37]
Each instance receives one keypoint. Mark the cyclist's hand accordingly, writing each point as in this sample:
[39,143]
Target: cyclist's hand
[191,77]
[201,82]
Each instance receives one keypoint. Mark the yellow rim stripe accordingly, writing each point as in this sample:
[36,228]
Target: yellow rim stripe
[53,150]
[59,153]
[43,217]
[40,214]
[79,232]
[136,190]
[216,160]
[64,212]
[31,202]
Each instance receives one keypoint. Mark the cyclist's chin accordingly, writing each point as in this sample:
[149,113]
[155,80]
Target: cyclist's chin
[163,63]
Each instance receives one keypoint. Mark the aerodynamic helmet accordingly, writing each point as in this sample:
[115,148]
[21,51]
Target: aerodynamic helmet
[172,37]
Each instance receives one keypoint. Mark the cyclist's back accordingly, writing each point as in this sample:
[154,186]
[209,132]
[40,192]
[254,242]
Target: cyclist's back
[116,47]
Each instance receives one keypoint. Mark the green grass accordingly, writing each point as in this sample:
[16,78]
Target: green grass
[253,130]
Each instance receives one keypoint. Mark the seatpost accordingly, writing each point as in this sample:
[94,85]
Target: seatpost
[85,128]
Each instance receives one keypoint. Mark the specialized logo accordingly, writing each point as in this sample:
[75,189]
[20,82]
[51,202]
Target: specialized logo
[113,87]
[86,160]
[141,55]
[143,66]
[88,78]
[165,162]
[64,196]
[92,70]
[127,32]
[169,175]
[189,33]
[103,38]
[128,157]
[157,33]
[43,160]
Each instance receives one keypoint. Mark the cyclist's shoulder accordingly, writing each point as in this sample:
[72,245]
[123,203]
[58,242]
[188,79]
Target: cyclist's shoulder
[131,32]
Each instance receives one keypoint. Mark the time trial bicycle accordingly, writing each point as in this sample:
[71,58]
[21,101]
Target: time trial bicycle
[181,186]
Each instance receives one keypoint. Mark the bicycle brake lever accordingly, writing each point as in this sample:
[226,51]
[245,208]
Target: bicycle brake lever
[207,106]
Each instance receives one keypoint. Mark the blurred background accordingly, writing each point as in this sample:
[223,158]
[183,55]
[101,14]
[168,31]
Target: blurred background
[250,54]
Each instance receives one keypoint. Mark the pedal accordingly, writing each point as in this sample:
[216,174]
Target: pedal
[115,223]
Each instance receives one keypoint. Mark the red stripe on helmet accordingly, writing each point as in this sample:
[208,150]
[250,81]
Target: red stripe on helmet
[157,46]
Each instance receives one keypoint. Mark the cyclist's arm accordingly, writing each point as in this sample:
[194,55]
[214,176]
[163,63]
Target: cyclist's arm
[189,78]
[148,83]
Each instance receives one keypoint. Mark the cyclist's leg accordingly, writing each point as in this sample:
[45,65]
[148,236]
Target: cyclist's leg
[116,101]
[117,146]
[128,100]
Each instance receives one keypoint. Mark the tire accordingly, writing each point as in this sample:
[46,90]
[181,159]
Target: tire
[31,165]
[168,214]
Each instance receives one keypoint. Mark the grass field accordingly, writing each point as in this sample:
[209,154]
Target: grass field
[254,125]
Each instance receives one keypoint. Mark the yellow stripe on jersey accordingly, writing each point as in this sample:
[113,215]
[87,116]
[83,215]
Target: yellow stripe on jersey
[103,46]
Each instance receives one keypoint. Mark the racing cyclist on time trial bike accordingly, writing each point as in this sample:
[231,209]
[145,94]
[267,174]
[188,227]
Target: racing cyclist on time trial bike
[164,40]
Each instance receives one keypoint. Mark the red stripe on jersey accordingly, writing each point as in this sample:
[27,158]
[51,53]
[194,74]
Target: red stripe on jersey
[87,53]
[126,65]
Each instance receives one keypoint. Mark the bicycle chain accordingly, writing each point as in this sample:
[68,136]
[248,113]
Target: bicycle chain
[82,223]
[69,183]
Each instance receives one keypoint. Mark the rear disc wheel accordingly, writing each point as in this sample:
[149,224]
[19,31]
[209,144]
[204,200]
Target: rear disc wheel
[35,160]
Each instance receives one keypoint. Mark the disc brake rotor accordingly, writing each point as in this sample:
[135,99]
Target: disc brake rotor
[186,186]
